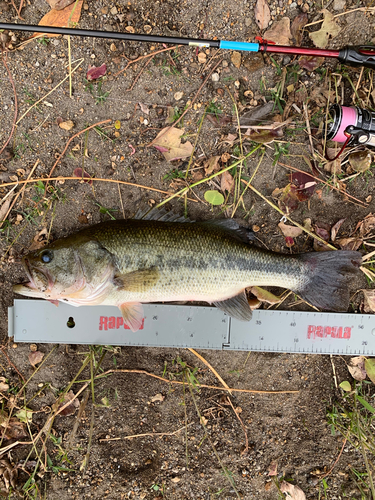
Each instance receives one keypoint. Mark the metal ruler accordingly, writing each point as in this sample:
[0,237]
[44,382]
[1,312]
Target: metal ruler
[194,326]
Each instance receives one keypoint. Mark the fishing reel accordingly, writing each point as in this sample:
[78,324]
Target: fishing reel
[351,125]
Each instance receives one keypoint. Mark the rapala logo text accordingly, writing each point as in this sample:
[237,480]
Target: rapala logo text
[113,323]
[335,332]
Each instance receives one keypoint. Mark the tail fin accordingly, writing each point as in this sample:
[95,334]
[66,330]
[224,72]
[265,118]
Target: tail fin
[328,276]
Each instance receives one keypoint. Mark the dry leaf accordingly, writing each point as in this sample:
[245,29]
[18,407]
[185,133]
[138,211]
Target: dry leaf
[70,409]
[3,385]
[68,125]
[59,4]
[272,471]
[144,108]
[93,73]
[335,229]
[292,492]
[297,26]
[367,225]
[4,208]
[279,32]
[212,165]
[82,174]
[61,18]
[329,30]
[357,369]
[369,303]
[202,58]
[35,357]
[360,161]
[290,231]
[352,243]
[236,58]
[264,295]
[264,136]
[39,241]
[157,397]
[168,142]
[310,62]
[176,479]
[227,182]
[262,14]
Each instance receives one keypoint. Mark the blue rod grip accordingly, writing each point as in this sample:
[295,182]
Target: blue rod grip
[250,47]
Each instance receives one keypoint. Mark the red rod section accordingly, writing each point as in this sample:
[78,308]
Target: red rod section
[284,49]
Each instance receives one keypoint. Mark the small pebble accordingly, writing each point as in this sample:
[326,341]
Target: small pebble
[33,347]
[178,95]
[215,77]
[114,11]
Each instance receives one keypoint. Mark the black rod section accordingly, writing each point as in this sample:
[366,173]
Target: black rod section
[196,42]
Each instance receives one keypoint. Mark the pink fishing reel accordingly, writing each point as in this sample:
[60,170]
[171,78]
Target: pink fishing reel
[351,125]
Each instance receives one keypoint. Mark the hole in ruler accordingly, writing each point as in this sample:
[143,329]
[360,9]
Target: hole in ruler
[70,323]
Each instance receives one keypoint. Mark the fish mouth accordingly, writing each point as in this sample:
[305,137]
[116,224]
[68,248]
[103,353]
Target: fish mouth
[39,280]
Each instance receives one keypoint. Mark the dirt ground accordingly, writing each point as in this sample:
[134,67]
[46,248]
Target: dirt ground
[291,429]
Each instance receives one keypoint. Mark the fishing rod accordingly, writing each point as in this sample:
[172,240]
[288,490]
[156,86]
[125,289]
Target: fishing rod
[359,56]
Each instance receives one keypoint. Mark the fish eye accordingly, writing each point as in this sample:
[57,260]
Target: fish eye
[46,256]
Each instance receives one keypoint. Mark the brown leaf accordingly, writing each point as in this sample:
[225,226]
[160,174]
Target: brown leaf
[227,182]
[264,136]
[329,30]
[369,302]
[304,183]
[59,4]
[360,161]
[82,174]
[61,18]
[39,240]
[212,165]
[157,397]
[356,368]
[68,125]
[202,58]
[292,492]
[352,243]
[335,229]
[70,409]
[35,357]
[310,62]
[279,32]
[262,14]
[4,208]
[297,25]
[272,471]
[168,142]
[287,198]
[367,225]
[144,108]
[291,231]
[323,230]
[236,58]
[93,73]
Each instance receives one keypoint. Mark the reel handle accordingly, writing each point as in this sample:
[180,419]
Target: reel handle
[364,55]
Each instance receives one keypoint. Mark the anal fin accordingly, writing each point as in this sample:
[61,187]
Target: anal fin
[236,307]
[132,313]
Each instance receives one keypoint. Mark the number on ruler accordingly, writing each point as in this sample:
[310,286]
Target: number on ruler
[296,340]
[189,319]
[361,327]
[292,324]
[154,317]
[364,342]
[261,338]
[258,322]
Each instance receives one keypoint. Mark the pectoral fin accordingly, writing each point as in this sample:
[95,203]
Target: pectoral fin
[133,314]
[236,307]
[137,281]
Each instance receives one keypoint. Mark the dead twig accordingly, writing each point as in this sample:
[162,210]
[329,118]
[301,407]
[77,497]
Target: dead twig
[97,179]
[211,368]
[243,427]
[15,104]
[144,57]
[337,459]
[11,364]
[143,372]
[151,434]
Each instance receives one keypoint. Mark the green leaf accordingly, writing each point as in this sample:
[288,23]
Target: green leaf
[365,404]
[214,197]
[346,386]
[25,415]
[370,369]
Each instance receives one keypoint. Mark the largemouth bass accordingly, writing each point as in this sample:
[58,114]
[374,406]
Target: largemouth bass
[130,262]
